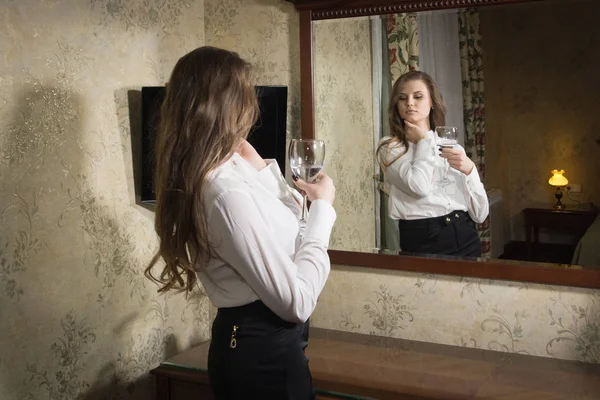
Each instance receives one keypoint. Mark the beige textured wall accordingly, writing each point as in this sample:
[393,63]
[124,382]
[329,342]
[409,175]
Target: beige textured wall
[344,120]
[541,101]
[78,319]
[265,32]
[510,317]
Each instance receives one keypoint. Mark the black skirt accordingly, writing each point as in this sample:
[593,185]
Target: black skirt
[254,354]
[453,234]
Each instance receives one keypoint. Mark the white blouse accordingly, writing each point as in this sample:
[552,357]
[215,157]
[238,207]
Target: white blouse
[262,251]
[417,189]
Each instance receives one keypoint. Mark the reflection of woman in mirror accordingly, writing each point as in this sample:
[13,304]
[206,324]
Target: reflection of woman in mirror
[436,215]
[227,216]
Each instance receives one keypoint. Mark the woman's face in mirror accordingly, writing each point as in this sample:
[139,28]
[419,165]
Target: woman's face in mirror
[414,102]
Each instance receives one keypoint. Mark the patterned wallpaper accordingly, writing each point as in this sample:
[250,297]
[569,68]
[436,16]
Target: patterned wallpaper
[78,318]
[510,317]
[541,109]
[264,32]
[344,120]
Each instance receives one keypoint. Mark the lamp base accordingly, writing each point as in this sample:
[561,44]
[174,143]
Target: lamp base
[558,194]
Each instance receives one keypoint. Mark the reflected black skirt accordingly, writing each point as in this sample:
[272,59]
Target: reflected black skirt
[254,354]
[453,234]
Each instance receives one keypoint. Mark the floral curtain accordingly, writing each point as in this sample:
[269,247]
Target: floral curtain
[471,57]
[403,43]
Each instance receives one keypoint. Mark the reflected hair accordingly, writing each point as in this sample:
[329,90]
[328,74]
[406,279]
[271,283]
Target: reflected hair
[210,106]
[437,115]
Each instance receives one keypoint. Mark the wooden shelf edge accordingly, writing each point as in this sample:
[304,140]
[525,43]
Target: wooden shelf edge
[497,270]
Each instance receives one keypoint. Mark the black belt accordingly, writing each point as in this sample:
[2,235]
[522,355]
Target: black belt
[250,312]
[444,220]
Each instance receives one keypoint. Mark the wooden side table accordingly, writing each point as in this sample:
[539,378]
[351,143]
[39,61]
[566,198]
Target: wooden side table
[567,220]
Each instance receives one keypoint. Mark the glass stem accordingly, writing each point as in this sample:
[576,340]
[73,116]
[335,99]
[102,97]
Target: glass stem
[303,219]
[446,172]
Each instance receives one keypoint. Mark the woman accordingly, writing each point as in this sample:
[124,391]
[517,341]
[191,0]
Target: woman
[435,216]
[226,216]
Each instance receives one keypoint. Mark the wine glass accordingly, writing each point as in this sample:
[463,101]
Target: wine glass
[447,138]
[306,161]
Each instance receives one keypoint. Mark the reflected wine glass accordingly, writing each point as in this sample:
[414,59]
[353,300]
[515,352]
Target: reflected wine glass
[306,161]
[447,138]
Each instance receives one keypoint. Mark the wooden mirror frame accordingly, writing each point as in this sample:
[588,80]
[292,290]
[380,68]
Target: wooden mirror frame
[313,10]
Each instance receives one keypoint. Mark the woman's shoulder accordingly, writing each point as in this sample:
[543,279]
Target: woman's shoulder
[390,143]
[222,180]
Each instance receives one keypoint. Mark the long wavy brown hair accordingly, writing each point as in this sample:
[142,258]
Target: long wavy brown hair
[209,107]
[437,116]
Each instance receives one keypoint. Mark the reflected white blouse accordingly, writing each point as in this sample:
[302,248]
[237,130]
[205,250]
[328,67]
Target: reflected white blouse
[416,187]
[262,251]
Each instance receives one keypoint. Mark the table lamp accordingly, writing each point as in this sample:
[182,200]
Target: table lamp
[558,181]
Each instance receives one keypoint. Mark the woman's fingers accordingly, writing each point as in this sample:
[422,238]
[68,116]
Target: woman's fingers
[321,187]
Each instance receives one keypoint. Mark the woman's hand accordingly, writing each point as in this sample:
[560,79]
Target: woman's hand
[249,154]
[458,160]
[413,132]
[321,189]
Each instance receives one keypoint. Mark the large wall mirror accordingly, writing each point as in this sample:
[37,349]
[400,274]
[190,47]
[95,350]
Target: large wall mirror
[520,80]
